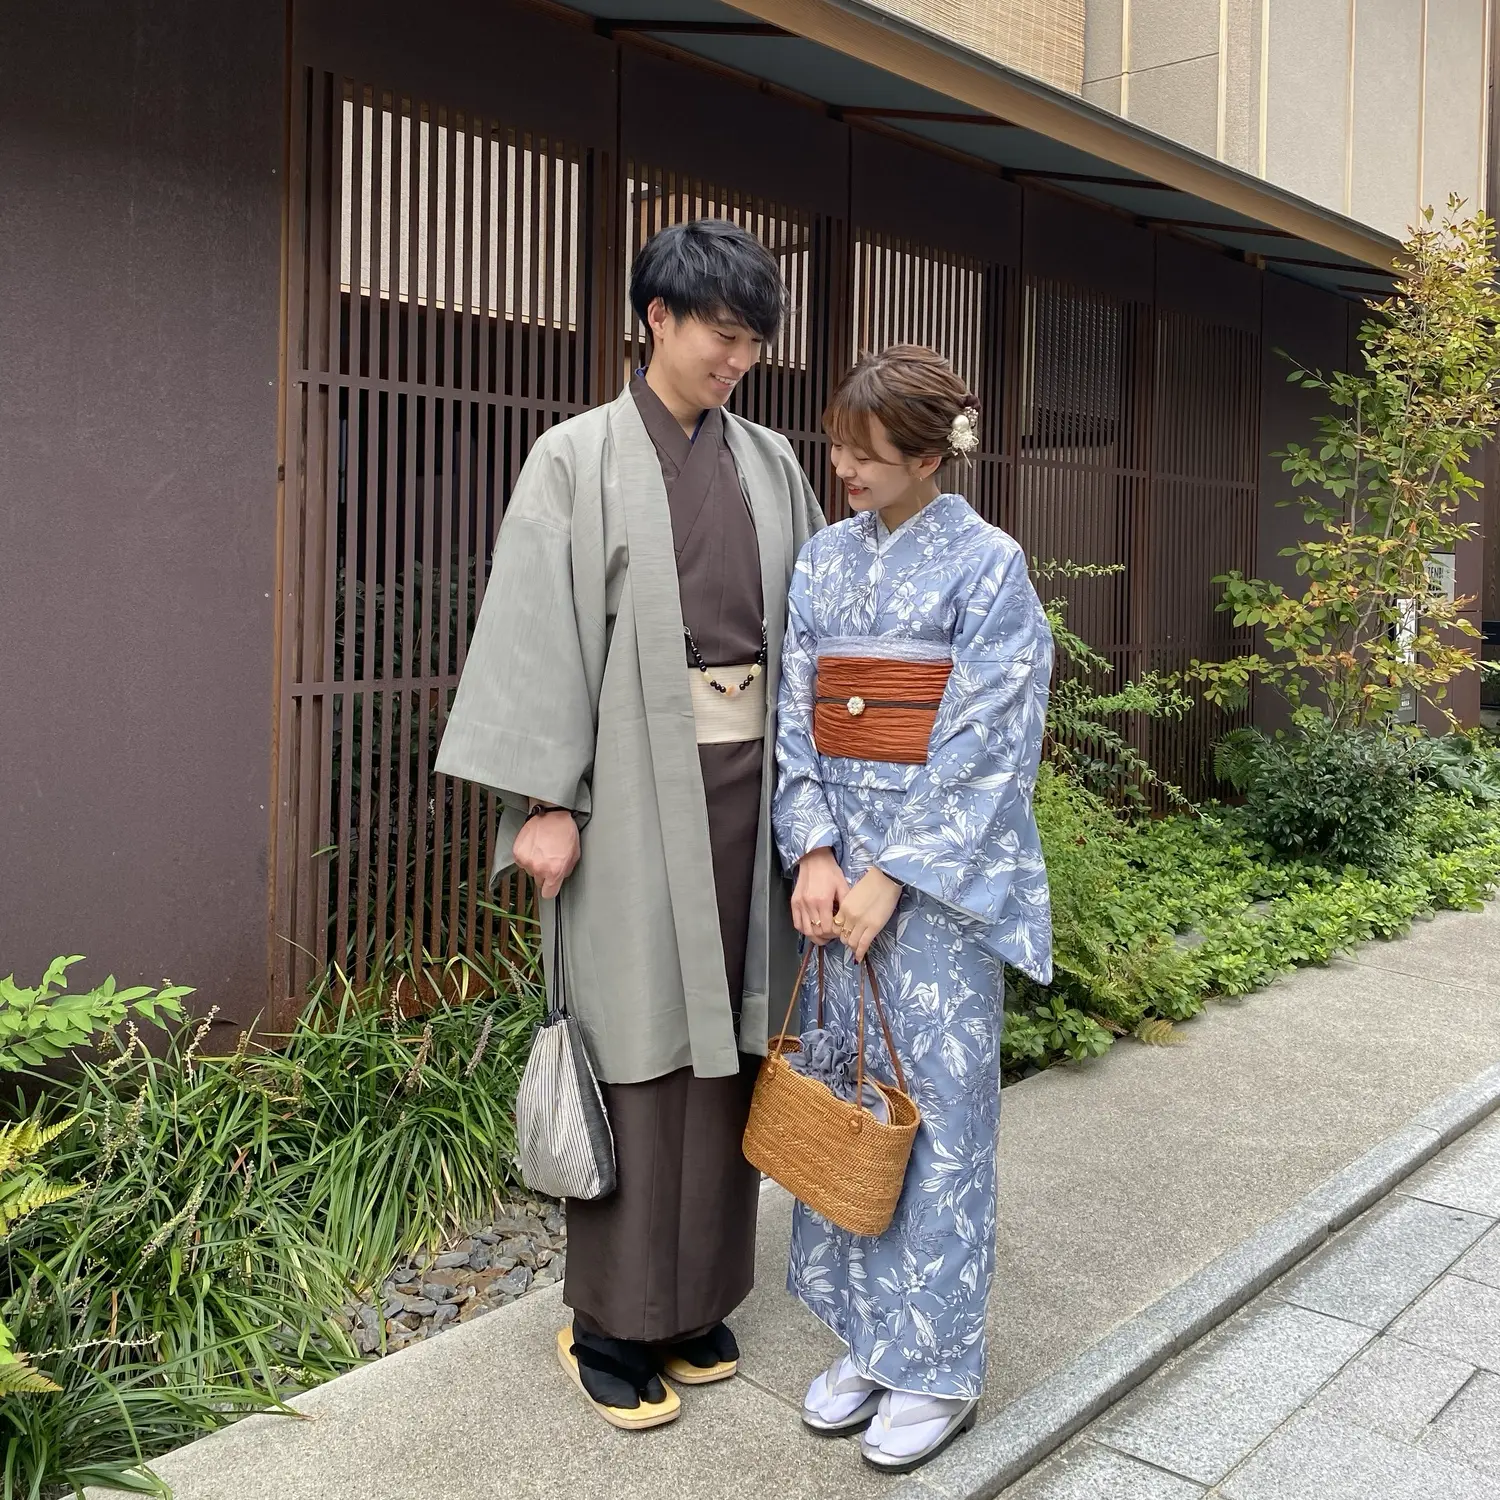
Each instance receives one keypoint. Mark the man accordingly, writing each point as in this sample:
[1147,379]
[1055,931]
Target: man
[620,696]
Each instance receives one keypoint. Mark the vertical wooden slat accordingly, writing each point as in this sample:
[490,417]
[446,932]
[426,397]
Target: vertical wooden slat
[361,521]
[390,844]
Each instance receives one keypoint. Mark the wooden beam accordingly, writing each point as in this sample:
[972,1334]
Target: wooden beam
[939,116]
[1092,178]
[854,29]
[1259,230]
[1319,265]
[608,26]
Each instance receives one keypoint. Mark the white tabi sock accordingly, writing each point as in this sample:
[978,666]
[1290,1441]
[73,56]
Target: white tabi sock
[836,1393]
[907,1424]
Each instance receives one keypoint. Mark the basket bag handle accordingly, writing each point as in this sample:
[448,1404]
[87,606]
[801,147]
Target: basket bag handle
[866,971]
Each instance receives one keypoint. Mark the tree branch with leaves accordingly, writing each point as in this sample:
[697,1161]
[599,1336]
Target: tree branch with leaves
[1391,487]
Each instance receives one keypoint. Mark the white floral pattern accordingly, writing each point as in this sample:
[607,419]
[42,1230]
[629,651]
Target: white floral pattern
[960,835]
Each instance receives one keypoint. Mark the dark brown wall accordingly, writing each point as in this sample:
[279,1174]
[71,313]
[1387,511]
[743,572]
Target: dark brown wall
[140,239]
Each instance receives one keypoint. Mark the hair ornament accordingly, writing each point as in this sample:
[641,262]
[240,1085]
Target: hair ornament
[963,435]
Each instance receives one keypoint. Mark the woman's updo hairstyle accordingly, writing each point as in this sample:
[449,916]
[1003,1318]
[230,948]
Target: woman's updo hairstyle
[926,409]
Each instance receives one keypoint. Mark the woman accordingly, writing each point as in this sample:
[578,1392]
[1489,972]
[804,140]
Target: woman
[913,695]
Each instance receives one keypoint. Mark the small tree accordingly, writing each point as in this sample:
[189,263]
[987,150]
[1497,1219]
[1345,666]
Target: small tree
[1391,466]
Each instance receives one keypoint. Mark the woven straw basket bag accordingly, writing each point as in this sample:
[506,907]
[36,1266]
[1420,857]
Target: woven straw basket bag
[830,1153]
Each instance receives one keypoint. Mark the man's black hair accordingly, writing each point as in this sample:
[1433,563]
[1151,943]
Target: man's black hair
[710,269]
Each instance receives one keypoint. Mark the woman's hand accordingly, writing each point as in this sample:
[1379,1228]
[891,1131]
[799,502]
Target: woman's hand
[820,888]
[546,848]
[864,912]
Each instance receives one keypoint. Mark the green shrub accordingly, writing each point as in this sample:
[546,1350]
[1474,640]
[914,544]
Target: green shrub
[1124,894]
[1340,796]
[232,1204]
[45,1023]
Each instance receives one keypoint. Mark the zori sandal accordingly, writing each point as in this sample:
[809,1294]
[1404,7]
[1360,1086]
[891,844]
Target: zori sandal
[910,1430]
[700,1361]
[841,1401]
[647,1412]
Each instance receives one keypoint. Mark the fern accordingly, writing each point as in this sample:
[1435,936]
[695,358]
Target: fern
[1080,741]
[1237,755]
[22,1196]
[25,1188]
[24,1138]
[17,1378]
[1156,1031]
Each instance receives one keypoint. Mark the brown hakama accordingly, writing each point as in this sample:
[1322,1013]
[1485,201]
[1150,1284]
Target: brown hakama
[671,1251]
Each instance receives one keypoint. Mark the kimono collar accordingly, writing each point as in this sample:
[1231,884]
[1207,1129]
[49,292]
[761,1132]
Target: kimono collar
[665,430]
[936,514]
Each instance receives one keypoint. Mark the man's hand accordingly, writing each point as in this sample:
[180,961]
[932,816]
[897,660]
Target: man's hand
[820,887]
[546,848]
[864,912]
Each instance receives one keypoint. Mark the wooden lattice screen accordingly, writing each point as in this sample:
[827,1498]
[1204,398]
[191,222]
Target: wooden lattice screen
[445,296]
[457,285]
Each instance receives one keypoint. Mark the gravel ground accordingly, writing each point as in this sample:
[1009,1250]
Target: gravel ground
[523,1248]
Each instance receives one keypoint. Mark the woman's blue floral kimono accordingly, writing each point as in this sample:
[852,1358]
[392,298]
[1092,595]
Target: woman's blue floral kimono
[960,835]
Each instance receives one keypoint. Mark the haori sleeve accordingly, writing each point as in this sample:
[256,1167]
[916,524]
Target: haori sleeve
[800,814]
[961,833]
[522,720]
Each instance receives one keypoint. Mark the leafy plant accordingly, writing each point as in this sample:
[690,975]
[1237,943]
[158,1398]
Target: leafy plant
[42,1024]
[109,1418]
[1346,797]
[1081,740]
[1390,478]
[230,1206]
[1461,764]
[25,1188]
[1177,910]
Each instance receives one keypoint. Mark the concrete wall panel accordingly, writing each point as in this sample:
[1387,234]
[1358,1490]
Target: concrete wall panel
[1105,92]
[1307,104]
[1455,101]
[1180,100]
[1242,86]
[1172,31]
[1102,37]
[1387,112]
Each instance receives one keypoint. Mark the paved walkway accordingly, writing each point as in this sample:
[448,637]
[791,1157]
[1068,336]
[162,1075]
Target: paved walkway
[1119,1179]
[1371,1372]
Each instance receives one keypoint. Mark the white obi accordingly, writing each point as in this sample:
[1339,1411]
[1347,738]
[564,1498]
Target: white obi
[724,718]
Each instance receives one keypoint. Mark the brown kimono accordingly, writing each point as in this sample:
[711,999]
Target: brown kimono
[671,1251]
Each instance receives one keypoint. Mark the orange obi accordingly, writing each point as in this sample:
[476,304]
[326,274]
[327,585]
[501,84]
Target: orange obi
[872,708]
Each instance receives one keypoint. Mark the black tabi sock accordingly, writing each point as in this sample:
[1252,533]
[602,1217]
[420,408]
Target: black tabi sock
[617,1372]
[706,1350]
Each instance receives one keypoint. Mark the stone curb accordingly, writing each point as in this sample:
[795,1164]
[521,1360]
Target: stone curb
[1037,1423]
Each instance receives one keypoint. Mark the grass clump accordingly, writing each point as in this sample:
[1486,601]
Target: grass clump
[226,1206]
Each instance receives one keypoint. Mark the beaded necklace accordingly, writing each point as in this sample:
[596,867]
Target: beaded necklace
[729,689]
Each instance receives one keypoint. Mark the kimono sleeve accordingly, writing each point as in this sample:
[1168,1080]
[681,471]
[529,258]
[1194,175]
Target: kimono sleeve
[965,823]
[523,719]
[800,812]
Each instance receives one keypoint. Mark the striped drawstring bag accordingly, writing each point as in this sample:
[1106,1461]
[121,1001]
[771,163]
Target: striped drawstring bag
[564,1146]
